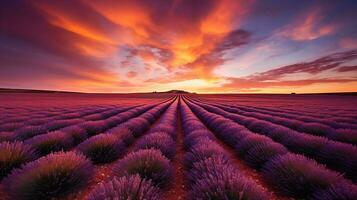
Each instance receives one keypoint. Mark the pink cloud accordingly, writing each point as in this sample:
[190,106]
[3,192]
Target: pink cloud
[308,26]
[132,74]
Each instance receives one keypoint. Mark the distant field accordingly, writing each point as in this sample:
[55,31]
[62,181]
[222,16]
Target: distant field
[177,146]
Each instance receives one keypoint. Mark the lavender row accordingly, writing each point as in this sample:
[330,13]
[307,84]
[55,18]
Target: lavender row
[31,119]
[59,174]
[335,122]
[336,155]
[211,175]
[162,135]
[21,114]
[28,132]
[292,175]
[347,135]
[343,135]
[50,124]
[110,145]
[148,165]
[84,113]
[306,113]
[71,136]
[309,110]
[15,154]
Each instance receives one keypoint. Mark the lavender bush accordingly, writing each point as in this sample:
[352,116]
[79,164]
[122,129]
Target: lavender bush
[202,151]
[226,183]
[160,141]
[258,155]
[28,132]
[297,176]
[125,188]
[249,142]
[94,127]
[51,142]
[102,148]
[341,157]
[123,134]
[13,155]
[149,164]
[203,168]
[77,133]
[137,126]
[53,176]
[344,135]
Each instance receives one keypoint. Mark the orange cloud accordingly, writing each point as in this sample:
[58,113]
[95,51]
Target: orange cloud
[187,29]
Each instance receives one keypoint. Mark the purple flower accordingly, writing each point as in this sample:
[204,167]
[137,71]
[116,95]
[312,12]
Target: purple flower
[102,148]
[344,135]
[315,128]
[164,128]
[159,140]
[150,164]
[13,155]
[194,137]
[202,151]
[297,176]
[225,182]
[51,142]
[55,125]
[306,144]
[77,133]
[137,125]
[28,132]
[233,134]
[11,126]
[123,133]
[125,188]
[249,142]
[94,127]
[340,191]
[341,157]
[55,175]
[203,168]
[258,155]
[7,136]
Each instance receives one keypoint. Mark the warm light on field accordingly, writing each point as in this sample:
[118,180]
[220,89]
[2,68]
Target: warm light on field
[177,145]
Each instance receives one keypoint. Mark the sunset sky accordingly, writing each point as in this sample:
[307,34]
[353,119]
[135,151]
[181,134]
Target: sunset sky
[197,45]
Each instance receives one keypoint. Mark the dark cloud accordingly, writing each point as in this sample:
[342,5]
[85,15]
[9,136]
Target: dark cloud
[347,69]
[317,66]
[273,78]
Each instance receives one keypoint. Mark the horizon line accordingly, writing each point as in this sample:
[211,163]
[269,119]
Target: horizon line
[32,90]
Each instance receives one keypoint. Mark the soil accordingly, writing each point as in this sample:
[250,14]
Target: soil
[178,189]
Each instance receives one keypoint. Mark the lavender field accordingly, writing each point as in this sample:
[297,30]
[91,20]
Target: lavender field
[178,146]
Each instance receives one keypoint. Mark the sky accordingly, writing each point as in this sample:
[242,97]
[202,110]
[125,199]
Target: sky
[205,46]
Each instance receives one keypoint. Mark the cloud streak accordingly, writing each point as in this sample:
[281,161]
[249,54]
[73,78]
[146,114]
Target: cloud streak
[311,70]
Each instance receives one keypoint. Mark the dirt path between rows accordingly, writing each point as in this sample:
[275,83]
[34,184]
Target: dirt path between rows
[178,190]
